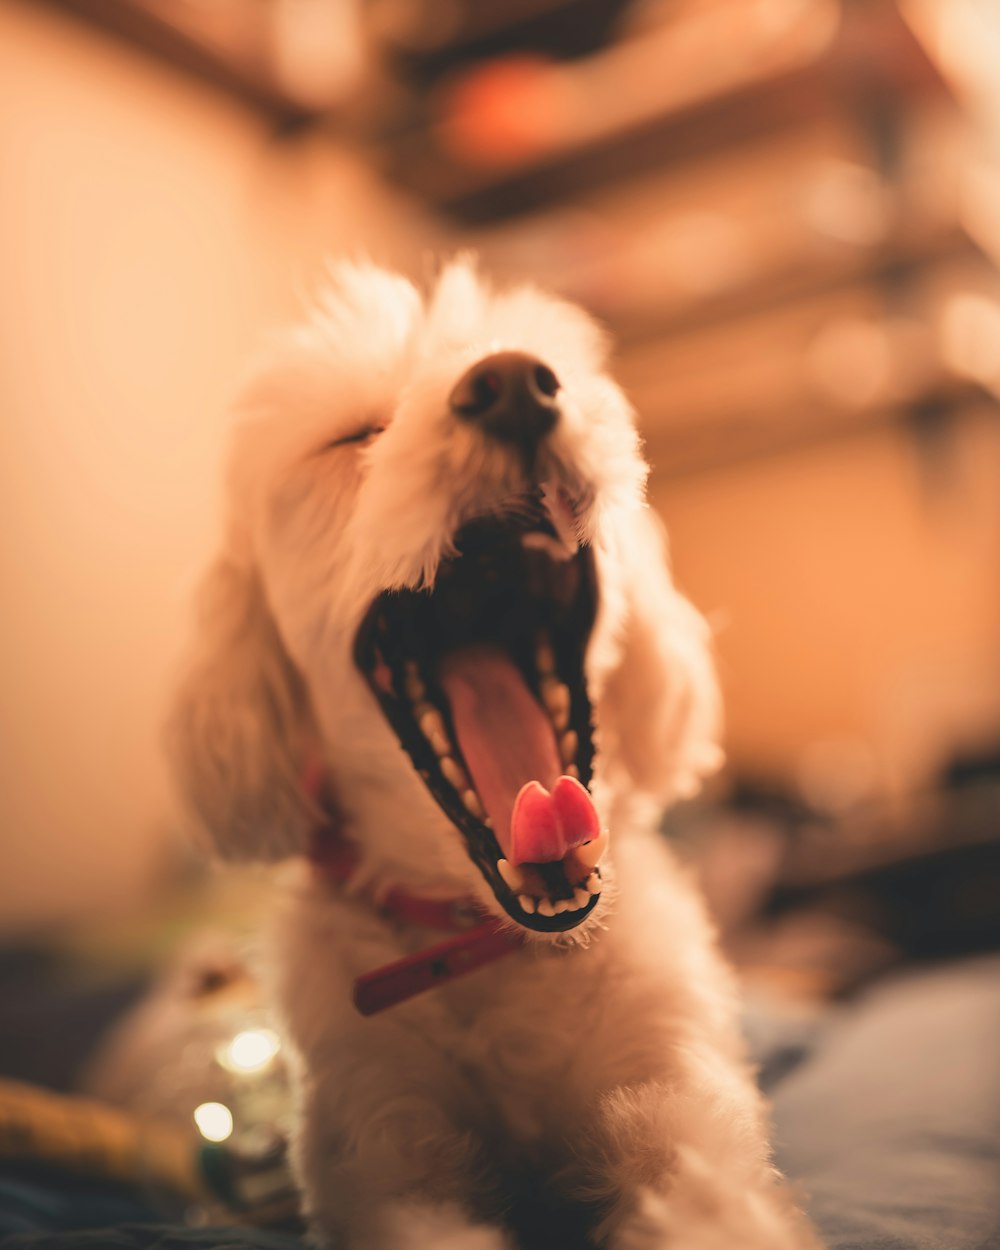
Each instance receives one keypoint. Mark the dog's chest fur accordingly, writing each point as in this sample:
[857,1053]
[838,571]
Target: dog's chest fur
[535,1040]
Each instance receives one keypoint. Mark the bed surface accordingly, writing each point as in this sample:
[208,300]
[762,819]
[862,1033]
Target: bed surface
[886,1109]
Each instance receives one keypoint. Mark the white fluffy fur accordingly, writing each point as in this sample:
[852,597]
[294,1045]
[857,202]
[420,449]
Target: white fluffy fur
[603,1068]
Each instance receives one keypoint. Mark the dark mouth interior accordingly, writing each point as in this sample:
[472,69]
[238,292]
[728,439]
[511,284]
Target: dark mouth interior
[514,595]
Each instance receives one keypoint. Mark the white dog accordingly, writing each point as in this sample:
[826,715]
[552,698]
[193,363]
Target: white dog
[441,583]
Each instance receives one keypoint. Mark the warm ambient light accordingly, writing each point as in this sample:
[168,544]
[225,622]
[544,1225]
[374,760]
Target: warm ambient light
[250,1050]
[214,1120]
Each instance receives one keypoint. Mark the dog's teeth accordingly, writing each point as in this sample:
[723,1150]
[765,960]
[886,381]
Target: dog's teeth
[545,907]
[413,682]
[545,658]
[593,884]
[582,896]
[471,800]
[573,771]
[512,875]
[432,727]
[561,905]
[562,515]
[527,903]
[556,697]
[429,719]
[453,774]
[590,854]
[568,744]
[555,693]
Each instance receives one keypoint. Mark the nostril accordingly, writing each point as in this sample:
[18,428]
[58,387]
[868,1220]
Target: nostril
[481,392]
[546,381]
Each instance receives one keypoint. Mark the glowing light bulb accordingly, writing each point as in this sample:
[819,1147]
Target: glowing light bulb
[250,1050]
[214,1121]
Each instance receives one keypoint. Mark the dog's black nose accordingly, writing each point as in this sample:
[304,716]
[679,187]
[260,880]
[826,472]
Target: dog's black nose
[511,395]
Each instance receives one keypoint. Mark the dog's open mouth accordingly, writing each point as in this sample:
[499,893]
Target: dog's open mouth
[482,679]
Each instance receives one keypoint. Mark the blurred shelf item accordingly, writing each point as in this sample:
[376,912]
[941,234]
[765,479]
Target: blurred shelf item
[508,134]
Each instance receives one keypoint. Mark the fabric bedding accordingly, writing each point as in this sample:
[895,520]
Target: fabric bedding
[887,1117]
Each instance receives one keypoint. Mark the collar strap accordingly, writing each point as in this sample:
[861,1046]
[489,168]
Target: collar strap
[396,982]
[337,860]
[479,938]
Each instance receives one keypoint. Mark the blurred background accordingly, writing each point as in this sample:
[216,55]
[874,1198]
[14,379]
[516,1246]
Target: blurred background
[788,214]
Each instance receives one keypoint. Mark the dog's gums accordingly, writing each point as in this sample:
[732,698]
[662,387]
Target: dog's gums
[482,679]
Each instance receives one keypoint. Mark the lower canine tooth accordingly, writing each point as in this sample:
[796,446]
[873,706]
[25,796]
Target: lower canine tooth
[527,903]
[472,803]
[511,874]
[593,884]
[590,854]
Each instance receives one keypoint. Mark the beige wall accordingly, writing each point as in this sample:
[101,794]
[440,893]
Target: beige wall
[151,231]
[856,593]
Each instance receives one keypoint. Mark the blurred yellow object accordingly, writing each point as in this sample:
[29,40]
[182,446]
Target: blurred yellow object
[95,1140]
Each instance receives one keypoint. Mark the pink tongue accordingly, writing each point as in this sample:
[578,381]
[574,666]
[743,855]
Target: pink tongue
[510,750]
[545,826]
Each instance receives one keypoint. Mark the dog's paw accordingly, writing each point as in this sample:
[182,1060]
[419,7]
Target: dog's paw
[646,1227]
[750,1222]
[416,1226]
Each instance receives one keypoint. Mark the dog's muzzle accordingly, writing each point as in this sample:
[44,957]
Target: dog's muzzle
[511,396]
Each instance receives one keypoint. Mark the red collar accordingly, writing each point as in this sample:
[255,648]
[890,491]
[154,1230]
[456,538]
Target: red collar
[479,938]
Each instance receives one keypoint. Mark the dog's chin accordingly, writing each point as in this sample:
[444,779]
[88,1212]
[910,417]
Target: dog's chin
[482,679]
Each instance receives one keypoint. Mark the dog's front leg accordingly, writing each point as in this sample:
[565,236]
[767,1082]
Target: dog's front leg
[381,1162]
[683,1164]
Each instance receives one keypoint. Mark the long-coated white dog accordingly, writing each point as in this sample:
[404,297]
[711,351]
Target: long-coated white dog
[441,591]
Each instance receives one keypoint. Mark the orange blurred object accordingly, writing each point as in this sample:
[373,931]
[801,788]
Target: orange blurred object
[506,112]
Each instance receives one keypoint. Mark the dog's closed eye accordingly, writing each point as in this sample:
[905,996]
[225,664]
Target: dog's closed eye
[359,436]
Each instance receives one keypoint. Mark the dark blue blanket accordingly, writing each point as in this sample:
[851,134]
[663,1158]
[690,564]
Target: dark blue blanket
[887,1116]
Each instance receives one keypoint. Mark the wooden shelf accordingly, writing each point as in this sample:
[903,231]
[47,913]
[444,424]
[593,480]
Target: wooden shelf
[715,78]
[825,366]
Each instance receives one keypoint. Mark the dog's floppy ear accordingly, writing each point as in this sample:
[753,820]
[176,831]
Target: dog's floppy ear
[239,731]
[658,705]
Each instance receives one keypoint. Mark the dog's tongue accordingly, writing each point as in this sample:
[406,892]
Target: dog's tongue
[511,752]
